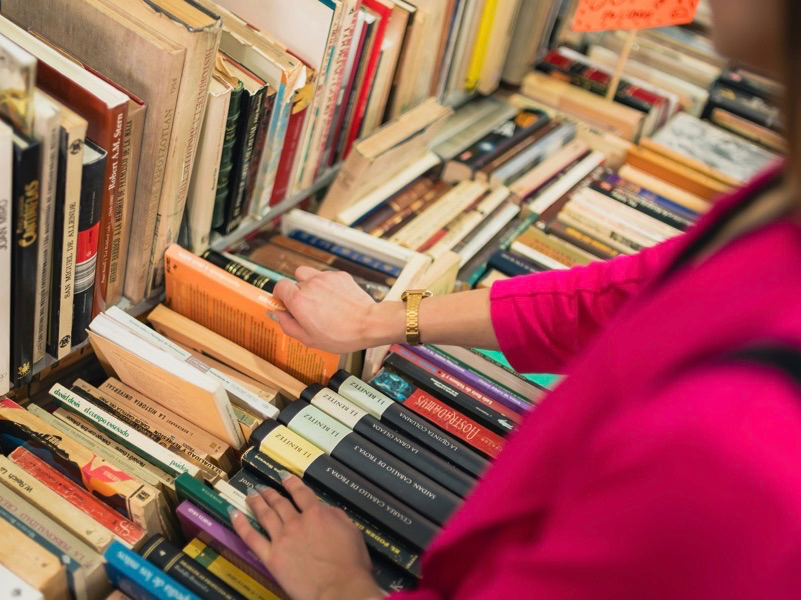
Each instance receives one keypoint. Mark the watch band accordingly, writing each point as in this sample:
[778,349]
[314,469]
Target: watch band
[413,298]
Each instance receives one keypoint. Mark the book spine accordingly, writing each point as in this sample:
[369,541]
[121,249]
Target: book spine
[137,577]
[196,523]
[407,422]
[305,460]
[91,205]
[440,414]
[25,215]
[116,429]
[124,197]
[248,129]
[6,241]
[283,175]
[497,391]
[260,470]
[227,157]
[513,265]
[374,464]
[199,458]
[579,239]
[76,578]
[124,529]
[193,576]
[259,148]
[65,232]
[403,448]
[240,271]
[56,507]
[641,204]
[229,573]
[346,253]
[457,384]
[276,136]
[207,499]
[425,377]
[116,129]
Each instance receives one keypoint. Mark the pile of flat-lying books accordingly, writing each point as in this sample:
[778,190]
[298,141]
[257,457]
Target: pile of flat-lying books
[126,480]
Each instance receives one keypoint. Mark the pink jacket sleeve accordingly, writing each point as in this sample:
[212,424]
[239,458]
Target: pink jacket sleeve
[543,320]
[667,503]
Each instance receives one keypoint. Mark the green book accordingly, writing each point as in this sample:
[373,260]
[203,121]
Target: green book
[227,159]
[207,499]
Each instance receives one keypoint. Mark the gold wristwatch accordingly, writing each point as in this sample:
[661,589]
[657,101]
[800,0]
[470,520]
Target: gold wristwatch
[412,298]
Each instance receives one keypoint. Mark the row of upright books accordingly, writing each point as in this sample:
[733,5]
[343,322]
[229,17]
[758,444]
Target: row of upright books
[118,479]
[143,123]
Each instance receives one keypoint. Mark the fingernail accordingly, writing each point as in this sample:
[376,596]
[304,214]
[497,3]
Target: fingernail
[232,512]
[284,475]
[253,492]
[262,488]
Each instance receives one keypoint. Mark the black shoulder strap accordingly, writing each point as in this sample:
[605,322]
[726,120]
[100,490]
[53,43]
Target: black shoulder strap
[781,357]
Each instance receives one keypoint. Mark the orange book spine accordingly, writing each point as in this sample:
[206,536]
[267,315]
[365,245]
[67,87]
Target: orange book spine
[242,313]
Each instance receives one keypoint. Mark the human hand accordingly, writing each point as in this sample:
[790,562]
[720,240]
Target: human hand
[329,311]
[314,551]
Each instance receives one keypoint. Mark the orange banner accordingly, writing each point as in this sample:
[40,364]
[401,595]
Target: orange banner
[605,15]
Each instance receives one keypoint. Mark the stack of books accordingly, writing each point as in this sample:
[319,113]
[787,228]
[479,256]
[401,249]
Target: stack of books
[126,480]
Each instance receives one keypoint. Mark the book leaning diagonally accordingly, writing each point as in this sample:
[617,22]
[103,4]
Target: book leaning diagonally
[166,379]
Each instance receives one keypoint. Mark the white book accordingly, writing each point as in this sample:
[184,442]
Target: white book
[234,496]
[46,129]
[597,230]
[492,228]
[11,586]
[541,201]
[206,170]
[631,216]
[165,379]
[537,257]
[68,201]
[593,216]
[6,182]
[238,393]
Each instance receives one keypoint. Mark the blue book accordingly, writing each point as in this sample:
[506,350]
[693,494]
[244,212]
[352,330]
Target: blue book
[347,253]
[512,264]
[140,579]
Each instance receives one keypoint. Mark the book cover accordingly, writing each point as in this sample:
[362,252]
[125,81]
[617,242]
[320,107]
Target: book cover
[208,500]
[512,264]
[312,464]
[376,465]
[17,83]
[194,286]
[139,578]
[12,586]
[65,232]
[406,421]
[400,446]
[259,148]
[33,564]
[191,574]
[226,165]
[25,241]
[90,207]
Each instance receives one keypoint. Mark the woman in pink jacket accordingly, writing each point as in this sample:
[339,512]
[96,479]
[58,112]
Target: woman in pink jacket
[667,464]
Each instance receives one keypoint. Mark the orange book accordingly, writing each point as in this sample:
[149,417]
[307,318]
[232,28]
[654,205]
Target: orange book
[242,313]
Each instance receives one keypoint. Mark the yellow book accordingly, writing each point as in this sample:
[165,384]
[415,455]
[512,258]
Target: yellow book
[482,41]
[228,572]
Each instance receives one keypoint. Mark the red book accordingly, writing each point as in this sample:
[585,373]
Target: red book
[126,530]
[385,12]
[286,164]
[106,129]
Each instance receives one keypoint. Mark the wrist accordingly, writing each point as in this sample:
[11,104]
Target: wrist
[384,323]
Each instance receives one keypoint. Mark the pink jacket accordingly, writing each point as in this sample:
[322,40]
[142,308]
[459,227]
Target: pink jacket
[657,469]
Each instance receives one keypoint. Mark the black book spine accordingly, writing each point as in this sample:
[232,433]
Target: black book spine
[450,395]
[246,138]
[405,421]
[58,249]
[387,472]
[189,573]
[88,235]
[258,469]
[386,438]
[303,458]
[239,270]
[25,216]
[513,264]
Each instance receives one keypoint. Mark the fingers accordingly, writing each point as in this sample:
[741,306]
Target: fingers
[283,507]
[290,326]
[265,515]
[304,273]
[303,497]
[285,291]
[252,538]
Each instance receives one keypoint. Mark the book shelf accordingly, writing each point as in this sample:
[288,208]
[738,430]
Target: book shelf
[254,223]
